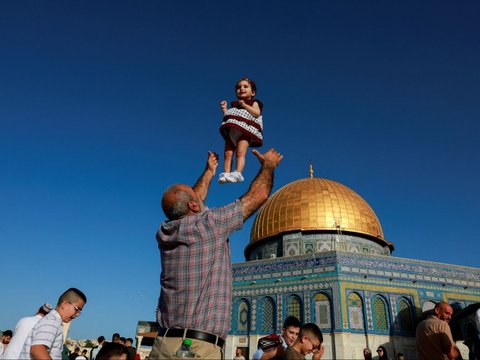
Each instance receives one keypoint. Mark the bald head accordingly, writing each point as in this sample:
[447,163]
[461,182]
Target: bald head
[443,311]
[180,200]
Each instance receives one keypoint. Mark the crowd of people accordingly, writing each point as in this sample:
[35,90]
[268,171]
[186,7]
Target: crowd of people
[40,336]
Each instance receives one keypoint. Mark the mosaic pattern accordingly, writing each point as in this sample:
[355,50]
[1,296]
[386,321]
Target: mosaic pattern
[405,316]
[355,312]
[380,313]
[322,311]
[268,323]
[254,315]
[295,307]
[397,267]
[338,274]
[384,266]
[301,243]
[368,314]
[306,302]
[243,316]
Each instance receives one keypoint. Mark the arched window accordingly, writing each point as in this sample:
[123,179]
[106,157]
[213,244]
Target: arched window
[268,309]
[380,314]
[355,312]
[243,316]
[294,306]
[322,311]
[405,315]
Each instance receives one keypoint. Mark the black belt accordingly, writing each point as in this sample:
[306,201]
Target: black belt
[192,334]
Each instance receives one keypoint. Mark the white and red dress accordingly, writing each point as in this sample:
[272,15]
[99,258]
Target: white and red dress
[239,123]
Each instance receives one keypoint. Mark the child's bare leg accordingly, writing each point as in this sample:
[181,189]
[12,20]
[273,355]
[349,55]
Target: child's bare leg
[242,147]
[228,155]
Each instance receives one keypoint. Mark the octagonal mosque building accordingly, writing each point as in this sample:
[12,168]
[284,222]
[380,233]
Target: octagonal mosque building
[317,251]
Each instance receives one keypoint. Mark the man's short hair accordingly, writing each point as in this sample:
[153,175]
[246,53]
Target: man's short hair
[101,339]
[291,321]
[110,350]
[7,333]
[72,295]
[311,329]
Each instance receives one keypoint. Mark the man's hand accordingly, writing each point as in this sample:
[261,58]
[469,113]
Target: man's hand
[212,162]
[270,158]
[203,182]
[318,353]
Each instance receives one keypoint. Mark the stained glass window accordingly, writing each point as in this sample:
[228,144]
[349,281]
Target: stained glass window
[295,307]
[268,324]
[405,315]
[243,315]
[322,311]
[380,314]
[355,311]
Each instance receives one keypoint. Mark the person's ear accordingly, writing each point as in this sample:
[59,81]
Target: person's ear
[194,206]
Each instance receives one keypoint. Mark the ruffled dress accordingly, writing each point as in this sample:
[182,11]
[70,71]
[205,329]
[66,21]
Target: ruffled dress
[239,123]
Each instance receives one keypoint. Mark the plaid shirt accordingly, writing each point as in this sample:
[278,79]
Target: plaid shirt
[196,279]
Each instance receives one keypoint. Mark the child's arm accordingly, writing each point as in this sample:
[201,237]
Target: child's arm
[223,106]
[254,110]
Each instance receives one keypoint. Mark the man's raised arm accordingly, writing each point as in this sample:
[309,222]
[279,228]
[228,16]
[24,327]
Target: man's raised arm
[261,186]
[203,183]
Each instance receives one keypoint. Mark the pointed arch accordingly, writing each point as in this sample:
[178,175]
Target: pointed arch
[268,315]
[356,316]
[380,314]
[405,315]
[243,316]
[322,305]
[294,307]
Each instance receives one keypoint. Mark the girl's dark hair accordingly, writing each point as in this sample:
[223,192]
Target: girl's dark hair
[251,82]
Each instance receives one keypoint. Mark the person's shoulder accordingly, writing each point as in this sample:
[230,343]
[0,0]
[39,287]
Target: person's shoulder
[234,205]
[260,104]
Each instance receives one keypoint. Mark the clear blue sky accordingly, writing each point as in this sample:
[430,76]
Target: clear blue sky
[104,104]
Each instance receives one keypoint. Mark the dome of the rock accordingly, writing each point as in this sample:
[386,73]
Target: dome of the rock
[316,205]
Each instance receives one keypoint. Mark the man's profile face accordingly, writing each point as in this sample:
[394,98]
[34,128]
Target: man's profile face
[6,339]
[444,312]
[290,334]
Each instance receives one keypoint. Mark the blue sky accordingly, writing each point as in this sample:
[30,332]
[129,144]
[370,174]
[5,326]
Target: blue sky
[104,104]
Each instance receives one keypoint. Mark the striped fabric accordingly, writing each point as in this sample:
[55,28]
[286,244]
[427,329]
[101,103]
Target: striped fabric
[196,278]
[241,122]
[49,332]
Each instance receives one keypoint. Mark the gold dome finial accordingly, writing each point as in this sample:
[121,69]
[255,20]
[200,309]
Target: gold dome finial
[311,170]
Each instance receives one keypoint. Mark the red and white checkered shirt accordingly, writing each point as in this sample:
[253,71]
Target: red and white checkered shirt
[196,279]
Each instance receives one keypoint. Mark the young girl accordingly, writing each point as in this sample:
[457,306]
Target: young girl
[242,127]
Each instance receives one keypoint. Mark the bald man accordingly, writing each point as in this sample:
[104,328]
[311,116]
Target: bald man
[434,338]
[196,280]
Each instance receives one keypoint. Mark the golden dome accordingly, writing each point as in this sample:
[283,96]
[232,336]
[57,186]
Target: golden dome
[316,204]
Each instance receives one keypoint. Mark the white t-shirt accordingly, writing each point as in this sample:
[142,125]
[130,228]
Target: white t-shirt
[48,331]
[22,330]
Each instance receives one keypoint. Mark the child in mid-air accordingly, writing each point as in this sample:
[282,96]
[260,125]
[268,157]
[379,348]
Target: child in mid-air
[242,127]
